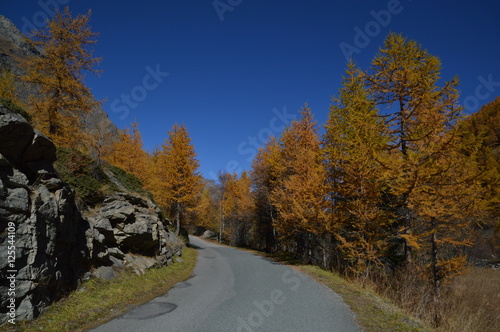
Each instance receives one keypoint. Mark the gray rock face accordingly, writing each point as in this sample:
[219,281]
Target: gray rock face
[55,247]
[41,209]
[127,226]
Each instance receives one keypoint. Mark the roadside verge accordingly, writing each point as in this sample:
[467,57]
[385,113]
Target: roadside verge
[97,301]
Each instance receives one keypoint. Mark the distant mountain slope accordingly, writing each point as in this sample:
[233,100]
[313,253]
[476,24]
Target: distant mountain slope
[14,52]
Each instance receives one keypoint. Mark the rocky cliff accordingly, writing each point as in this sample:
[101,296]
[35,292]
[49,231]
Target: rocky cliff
[46,246]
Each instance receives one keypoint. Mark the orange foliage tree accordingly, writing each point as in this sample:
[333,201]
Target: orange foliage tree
[432,175]
[58,73]
[128,154]
[265,171]
[175,180]
[236,207]
[300,196]
[353,143]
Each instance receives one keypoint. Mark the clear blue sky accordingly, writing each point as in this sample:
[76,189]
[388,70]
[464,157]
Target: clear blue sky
[238,72]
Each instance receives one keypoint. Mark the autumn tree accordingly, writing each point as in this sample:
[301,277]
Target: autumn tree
[266,168]
[127,152]
[433,180]
[483,128]
[8,86]
[354,142]
[300,196]
[207,210]
[100,142]
[59,73]
[236,207]
[182,183]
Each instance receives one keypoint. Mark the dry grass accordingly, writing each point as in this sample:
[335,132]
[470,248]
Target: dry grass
[471,302]
[373,312]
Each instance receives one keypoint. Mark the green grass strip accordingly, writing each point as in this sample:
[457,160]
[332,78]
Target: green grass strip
[97,301]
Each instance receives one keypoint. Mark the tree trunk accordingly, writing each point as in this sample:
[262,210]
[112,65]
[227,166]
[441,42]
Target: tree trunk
[178,219]
[436,278]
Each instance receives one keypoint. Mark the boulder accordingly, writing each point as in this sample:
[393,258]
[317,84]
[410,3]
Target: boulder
[128,224]
[208,234]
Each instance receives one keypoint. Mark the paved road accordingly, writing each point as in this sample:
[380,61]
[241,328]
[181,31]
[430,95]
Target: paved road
[233,290]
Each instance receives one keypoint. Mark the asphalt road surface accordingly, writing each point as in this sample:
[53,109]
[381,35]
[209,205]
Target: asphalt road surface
[234,290]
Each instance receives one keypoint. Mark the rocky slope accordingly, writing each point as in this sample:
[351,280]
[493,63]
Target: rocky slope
[55,246]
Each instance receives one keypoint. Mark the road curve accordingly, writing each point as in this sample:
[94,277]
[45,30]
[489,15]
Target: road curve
[234,290]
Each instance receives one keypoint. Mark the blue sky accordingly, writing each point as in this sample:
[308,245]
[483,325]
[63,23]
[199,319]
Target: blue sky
[235,71]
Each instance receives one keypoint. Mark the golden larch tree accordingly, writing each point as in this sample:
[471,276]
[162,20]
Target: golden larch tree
[353,143]
[182,181]
[266,168]
[432,175]
[300,196]
[58,74]
[127,153]
[8,86]
[207,210]
[237,206]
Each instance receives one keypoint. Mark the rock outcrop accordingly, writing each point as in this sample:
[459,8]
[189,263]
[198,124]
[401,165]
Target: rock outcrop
[55,246]
[126,228]
[48,229]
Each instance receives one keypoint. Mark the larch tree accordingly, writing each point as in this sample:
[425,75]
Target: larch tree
[266,167]
[59,73]
[434,182]
[354,141]
[128,154]
[237,207]
[8,86]
[207,209]
[483,128]
[100,142]
[183,182]
[300,196]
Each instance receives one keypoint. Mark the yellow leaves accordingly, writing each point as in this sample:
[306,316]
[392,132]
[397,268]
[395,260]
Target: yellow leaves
[128,154]
[58,74]
[300,195]
[411,240]
[178,183]
[7,86]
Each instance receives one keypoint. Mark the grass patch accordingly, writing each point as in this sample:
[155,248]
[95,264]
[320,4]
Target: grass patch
[92,186]
[472,302]
[14,107]
[97,301]
[373,313]
[129,181]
